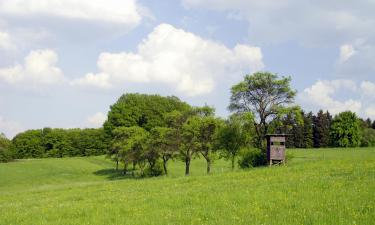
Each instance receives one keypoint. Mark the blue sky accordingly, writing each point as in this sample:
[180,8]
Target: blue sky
[63,63]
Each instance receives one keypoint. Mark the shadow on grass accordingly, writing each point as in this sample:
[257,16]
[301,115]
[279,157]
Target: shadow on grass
[113,174]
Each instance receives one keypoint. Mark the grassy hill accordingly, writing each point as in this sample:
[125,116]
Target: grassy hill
[331,186]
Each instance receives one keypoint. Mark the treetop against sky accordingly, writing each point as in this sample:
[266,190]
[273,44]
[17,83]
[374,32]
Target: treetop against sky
[63,63]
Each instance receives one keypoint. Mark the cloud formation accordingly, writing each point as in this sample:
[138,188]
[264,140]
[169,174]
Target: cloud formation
[321,96]
[175,57]
[346,51]
[39,68]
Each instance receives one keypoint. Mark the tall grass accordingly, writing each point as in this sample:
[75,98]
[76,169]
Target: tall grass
[331,186]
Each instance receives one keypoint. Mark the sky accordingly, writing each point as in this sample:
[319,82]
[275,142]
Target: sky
[64,62]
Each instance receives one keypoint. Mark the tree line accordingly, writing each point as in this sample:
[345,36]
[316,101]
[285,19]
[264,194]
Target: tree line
[145,132]
[48,142]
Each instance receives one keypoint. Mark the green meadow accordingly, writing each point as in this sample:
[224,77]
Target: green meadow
[325,186]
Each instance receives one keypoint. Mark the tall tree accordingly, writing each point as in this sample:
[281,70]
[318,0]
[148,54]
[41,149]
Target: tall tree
[163,144]
[321,129]
[189,145]
[307,130]
[234,135]
[131,145]
[208,130]
[265,95]
[345,130]
[142,110]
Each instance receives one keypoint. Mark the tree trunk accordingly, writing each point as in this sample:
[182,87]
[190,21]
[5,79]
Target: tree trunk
[208,165]
[233,158]
[165,166]
[187,166]
[116,164]
[125,168]
[133,169]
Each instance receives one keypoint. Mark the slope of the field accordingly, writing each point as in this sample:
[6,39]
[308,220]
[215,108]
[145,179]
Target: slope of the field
[331,186]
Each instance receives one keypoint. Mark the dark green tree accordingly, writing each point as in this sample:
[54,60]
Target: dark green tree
[345,130]
[368,137]
[131,146]
[146,111]
[163,144]
[266,96]
[321,129]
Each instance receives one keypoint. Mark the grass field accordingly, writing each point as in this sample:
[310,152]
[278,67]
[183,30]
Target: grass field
[331,186]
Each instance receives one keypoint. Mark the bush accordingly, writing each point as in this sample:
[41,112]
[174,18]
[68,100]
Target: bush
[157,170]
[252,157]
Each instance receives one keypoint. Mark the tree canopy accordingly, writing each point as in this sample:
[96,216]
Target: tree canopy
[345,130]
[266,96]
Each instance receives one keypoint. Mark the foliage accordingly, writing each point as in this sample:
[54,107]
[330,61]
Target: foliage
[163,142]
[5,155]
[264,95]
[131,145]
[368,137]
[321,129]
[49,142]
[345,130]
[234,135]
[251,157]
[146,111]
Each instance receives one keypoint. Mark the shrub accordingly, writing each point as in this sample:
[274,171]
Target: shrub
[251,157]
[157,170]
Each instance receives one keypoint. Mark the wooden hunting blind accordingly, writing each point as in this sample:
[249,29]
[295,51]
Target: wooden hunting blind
[276,148]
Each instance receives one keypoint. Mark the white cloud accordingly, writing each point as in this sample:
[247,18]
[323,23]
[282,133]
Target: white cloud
[320,96]
[6,42]
[10,128]
[97,119]
[39,68]
[100,80]
[112,11]
[370,112]
[180,59]
[357,60]
[346,51]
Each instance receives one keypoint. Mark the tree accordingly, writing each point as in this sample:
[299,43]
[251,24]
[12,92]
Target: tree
[189,144]
[264,95]
[208,128]
[28,145]
[368,137]
[5,155]
[321,129]
[368,123]
[233,136]
[146,111]
[163,141]
[130,143]
[345,130]
[307,130]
